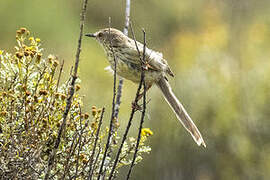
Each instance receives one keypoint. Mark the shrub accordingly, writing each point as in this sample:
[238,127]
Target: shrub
[32,103]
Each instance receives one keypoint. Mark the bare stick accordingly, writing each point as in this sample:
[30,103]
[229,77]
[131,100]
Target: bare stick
[132,111]
[95,145]
[96,160]
[111,129]
[127,17]
[81,143]
[121,80]
[133,36]
[143,111]
[66,165]
[71,93]
[58,81]
[59,76]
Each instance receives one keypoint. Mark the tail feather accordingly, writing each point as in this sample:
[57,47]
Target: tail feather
[180,111]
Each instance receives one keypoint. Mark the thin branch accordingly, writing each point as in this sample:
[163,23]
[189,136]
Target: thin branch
[96,160]
[111,129]
[133,108]
[95,145]
[80,143]
[127,17]
[134,38]
[59,76]
[58,81]
[118,98]
[121,80]
[69,99]
[143,111]
[67,165]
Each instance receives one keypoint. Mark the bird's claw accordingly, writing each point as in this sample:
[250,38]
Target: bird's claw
[136,106]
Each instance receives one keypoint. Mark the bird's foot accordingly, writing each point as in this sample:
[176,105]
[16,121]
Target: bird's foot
[136,106]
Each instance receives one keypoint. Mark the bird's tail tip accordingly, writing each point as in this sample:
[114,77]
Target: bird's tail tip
[196,135]
[180,111]
[201,142]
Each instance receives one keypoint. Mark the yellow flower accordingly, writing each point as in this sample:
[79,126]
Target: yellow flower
[146,132]
[37,40]
[31,39]
[1,52]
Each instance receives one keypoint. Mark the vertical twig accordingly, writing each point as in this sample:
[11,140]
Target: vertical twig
[127,17]
[80,143]
[111,129]
[135,101]
[95,145]
[143,111]
[96,160]
[57,84]
[59,76]
[121,80]
[69,99]
[67,164]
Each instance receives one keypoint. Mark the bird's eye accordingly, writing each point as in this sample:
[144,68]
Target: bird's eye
[100,34]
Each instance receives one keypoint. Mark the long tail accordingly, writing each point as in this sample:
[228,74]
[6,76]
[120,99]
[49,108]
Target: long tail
[180,111]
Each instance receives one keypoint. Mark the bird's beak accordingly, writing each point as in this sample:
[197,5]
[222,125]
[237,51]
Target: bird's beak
[90,35]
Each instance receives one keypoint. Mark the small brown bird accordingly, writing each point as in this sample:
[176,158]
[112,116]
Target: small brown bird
[123,49]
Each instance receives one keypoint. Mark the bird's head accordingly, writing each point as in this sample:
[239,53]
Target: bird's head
[109,36]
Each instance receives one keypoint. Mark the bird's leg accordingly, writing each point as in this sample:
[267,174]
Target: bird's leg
[135,104]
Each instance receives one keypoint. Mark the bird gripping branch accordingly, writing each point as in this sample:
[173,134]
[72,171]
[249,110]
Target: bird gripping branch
[123,49]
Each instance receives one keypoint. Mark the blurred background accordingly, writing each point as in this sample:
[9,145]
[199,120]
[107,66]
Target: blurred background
[219,52]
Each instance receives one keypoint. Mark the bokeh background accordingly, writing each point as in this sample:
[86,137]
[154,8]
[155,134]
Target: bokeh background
[219,51]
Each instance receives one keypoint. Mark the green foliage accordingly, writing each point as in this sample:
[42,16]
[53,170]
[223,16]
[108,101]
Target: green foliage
[222,78]
[31,107]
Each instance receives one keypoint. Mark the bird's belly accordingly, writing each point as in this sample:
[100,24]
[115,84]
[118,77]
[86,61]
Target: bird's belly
[132,72]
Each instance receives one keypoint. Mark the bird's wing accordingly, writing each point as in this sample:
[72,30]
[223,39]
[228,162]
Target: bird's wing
[153,58]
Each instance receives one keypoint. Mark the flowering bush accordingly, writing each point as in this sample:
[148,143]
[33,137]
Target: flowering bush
[32,103]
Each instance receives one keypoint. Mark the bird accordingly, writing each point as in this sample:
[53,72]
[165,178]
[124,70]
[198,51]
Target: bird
[123,51]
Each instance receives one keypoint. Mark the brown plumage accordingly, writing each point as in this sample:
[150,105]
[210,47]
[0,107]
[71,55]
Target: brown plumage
[128,66]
